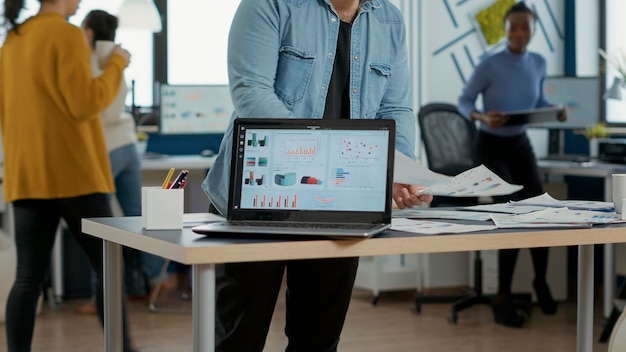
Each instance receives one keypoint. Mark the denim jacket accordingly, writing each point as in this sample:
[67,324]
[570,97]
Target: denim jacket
[280,59]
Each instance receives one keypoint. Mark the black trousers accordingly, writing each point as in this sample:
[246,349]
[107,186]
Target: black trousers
[513,159]
[36,222]
[318,296]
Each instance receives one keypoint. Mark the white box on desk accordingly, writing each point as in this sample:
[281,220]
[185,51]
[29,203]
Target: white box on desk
[162,209]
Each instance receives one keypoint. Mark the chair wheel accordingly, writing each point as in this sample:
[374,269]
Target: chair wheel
[453,318]
[375,300]
[417,308]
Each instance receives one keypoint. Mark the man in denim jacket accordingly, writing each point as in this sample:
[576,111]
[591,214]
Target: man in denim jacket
[307,59]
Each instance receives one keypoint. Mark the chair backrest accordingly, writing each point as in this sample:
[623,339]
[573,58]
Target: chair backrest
[448,138]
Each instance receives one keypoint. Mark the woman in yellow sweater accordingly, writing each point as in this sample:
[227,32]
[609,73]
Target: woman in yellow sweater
[56,163]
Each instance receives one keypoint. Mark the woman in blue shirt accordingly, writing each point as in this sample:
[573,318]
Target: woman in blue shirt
[511,80]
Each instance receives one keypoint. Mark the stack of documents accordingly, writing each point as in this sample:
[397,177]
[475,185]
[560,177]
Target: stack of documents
[545,200]
[541,211]
[537,212]
[505,208]
[435,228]
[555,217]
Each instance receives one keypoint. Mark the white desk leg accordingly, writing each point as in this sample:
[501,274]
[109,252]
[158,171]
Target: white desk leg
[203,304]
[609,258]
[112,260]
[584,316]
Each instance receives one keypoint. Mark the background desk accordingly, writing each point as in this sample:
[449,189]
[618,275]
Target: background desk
[601,170]
[189,162]
[203,253]
[154,171]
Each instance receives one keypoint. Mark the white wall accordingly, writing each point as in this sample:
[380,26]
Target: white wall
[451,45]
[587,37]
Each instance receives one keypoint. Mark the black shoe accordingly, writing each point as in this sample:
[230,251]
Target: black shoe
[546,302]
[504,313]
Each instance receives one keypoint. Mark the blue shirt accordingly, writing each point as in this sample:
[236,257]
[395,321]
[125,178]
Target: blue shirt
[280,61]
[507,82]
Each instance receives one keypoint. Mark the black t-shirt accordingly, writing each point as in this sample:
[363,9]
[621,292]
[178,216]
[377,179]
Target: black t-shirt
[338,98]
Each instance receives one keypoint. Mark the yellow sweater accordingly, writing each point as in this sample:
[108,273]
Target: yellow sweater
[49,104]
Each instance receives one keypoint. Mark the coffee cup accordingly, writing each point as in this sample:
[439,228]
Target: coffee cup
[104,50]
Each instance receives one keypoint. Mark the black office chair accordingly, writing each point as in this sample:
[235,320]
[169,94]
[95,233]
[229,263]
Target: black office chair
[448,139]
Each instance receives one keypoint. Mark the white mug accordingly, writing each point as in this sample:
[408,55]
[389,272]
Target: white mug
[619,191]
[104,50]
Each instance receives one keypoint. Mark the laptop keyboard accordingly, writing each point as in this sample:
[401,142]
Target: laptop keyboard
[309,225]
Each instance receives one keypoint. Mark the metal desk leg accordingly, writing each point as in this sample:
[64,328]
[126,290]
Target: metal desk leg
[112,260]
[584,315]
[57,267]
[609,258]
[609,278]
[8,219]
[203,304]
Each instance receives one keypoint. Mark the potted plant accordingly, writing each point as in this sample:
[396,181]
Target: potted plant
[593,134]
[142,142]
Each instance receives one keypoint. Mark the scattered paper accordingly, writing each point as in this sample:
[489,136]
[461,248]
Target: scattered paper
[435,228]
[415,213]
[408,171]
[505,208]
[545,200]
[506,223]
[194,219]
[555,217]
[476,182]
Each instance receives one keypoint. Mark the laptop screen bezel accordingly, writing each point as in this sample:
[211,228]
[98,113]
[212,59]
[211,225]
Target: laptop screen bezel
[319,216]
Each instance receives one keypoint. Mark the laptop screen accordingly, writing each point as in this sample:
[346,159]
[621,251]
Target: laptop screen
[329,170]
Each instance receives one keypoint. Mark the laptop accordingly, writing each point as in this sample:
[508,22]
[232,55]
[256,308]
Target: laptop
[309,177]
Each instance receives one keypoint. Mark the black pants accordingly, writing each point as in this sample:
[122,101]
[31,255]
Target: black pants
[513,159]
[36,222]
[318,296]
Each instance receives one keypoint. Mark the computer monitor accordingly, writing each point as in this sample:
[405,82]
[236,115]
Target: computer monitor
[581,96]
[194,109]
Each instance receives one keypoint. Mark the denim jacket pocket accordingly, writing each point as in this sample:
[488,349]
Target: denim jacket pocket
[293,74]
[377,84]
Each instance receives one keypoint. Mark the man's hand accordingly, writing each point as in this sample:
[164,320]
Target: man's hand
[406,196]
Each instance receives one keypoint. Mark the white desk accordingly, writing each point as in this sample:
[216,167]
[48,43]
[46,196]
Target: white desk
[203,253]
[601,170]
[189,162]
[196,201]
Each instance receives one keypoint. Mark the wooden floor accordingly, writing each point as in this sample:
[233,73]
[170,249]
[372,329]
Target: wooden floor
[388,326]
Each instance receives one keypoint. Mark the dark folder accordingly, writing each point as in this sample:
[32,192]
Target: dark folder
[530,116]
